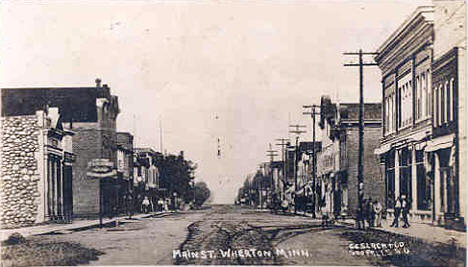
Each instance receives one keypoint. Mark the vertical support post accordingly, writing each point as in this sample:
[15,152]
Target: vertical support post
[314,165]
[296,154]
[361,134]
[101,198]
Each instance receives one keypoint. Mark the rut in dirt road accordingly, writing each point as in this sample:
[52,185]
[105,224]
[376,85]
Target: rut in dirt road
[223,243]
[236,243]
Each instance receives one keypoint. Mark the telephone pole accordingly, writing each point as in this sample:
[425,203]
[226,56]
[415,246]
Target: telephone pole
[283,143]
[313,113]
[272,154]
[360,177]
[297,131]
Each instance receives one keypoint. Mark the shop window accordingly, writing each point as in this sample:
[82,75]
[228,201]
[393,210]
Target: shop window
[405,172]
[423,183]
[390,178]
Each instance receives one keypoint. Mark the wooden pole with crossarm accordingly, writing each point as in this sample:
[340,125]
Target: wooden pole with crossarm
[361,65]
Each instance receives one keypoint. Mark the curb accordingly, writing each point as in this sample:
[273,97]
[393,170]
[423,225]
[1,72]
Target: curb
[72,228]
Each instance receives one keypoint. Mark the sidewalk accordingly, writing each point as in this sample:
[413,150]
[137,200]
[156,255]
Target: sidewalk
[426,232]
[75,225]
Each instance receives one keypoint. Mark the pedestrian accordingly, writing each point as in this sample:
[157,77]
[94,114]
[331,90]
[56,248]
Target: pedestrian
[371,213]
[405,206]
[365,213]
[129,205]
[397,210]
[160,204]
[378,213]
[284,205]
[360,219]
[145,205]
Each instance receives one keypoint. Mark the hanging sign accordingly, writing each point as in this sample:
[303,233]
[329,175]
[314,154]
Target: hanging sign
[101,168]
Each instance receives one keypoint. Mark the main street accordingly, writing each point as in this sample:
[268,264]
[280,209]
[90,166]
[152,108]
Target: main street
[234,235]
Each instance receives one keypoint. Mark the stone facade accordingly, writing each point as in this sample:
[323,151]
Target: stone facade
[30,190]
[20,175]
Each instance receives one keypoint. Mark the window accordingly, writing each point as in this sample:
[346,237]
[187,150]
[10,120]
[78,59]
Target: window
[423,96]
[452,99]
[429,95]
[449,100]
[399,99]
[424,201]
[390,178]
[443,115]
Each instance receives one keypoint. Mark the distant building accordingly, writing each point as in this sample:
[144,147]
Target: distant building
[305,167]
[37,158]
[146,172]
[124,165]
[338,159]
[90,112]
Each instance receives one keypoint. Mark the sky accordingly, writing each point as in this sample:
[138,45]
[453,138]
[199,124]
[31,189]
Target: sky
[239,71]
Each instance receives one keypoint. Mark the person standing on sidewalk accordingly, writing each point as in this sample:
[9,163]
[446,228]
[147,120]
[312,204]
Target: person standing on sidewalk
[146,205]
[405,205]
[370,212]
[129,204]
[397,210]
[378,213]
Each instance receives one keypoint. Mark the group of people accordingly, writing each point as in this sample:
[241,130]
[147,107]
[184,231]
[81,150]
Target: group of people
[372,213]
[143,204]
[401,206]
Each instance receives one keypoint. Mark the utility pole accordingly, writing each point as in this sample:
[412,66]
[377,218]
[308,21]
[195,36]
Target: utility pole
[272,154]
[313,113]
[360,177]
[283,143]
[297,131]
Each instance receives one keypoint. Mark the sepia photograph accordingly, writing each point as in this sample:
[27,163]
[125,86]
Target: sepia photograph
[233,132]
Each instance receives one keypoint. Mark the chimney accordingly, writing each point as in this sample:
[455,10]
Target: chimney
[105,86]
[182,154]
[98,83]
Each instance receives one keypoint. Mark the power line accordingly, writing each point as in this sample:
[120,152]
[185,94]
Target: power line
[313,113]
[361,65]
[297,131]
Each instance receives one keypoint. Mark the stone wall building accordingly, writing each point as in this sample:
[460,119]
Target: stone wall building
[90,112]
[36,168]
[338,159]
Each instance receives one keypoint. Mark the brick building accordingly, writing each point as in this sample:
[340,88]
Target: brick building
[338,160]
[90,112]
[36,163]
[423,92]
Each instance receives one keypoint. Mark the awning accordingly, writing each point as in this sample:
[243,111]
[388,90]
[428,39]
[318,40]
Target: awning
[440,143]
[382,149]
